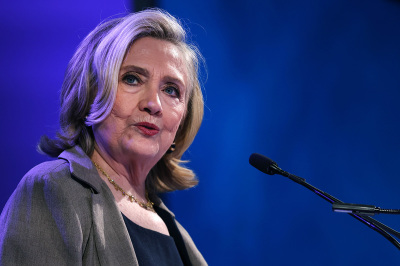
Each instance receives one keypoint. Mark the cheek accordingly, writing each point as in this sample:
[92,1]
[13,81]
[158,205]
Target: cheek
[125,103]
[114,125]
[174,119]
[108,128]
[120,110]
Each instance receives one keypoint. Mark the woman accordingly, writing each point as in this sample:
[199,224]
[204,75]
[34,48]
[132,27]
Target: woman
[131,105]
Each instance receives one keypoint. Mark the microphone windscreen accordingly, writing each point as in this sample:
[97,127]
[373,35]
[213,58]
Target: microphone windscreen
[262,163]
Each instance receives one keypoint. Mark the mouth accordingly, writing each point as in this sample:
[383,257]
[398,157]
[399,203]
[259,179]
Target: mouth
[147,129]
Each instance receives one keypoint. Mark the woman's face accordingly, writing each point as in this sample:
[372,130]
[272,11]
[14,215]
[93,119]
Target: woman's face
[150,102]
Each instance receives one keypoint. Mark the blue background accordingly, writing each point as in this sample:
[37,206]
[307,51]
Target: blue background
[312,84]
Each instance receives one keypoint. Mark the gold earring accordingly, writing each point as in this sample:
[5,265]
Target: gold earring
[172,148]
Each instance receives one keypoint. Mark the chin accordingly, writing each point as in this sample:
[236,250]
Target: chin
[145,148]
[142,150]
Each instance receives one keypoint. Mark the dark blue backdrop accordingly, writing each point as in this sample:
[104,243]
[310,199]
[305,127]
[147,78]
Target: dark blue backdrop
[312,84]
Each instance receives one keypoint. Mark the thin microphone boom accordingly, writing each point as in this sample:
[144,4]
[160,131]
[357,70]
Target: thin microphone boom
[362,209]
[268,166]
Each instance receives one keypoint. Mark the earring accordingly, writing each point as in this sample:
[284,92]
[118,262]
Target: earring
[172,148]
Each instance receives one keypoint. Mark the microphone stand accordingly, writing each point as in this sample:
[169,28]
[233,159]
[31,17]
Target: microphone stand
[338,205]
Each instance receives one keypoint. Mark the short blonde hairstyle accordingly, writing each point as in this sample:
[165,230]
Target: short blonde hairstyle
[90,87]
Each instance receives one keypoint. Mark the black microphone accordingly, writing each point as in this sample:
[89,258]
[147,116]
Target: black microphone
[268,166]
[263,163]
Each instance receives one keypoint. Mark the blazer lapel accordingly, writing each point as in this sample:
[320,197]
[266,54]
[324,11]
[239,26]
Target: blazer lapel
[111,239]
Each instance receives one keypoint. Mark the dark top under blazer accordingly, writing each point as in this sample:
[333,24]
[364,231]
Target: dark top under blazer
[153,248]
[63,213]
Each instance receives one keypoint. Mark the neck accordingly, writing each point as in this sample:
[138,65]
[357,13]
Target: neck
[129,175]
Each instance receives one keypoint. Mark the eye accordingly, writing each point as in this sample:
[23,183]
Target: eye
[130,79]
[172,91]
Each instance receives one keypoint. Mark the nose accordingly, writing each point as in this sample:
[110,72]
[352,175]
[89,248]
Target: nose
[150,101]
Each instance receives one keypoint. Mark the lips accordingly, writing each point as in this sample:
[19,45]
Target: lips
[147,129]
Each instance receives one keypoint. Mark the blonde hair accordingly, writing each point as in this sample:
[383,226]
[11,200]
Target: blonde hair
[90,86]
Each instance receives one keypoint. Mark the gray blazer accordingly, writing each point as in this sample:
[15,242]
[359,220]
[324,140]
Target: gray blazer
[63,213]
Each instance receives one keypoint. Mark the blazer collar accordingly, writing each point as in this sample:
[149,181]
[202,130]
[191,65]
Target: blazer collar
[81,167]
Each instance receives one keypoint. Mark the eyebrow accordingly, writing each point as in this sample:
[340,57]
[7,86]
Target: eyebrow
[145,72]
[141,71]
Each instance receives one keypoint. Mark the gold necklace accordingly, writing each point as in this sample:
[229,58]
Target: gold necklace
[145,205]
